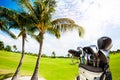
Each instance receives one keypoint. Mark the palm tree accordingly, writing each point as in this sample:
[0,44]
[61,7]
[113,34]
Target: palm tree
[40,10]
[18,21]
[23,24]
[41,14]
[23,34]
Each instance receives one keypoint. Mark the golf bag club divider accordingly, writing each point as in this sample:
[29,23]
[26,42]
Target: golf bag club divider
[94,61]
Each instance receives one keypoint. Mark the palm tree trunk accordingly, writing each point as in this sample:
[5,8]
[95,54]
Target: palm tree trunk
[20,63]
[35,74]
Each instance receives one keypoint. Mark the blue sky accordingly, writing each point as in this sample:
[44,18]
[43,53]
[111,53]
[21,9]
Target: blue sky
[8,4]
[98,17]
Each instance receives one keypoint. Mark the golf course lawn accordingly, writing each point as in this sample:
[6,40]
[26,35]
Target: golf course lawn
[50,68]
[115,66]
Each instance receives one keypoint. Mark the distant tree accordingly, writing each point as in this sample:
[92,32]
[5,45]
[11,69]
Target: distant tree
[8,48]
[15,47]
[43,55]
[53,55]
[68,55]
[118,51]
[1,45]
[60,57]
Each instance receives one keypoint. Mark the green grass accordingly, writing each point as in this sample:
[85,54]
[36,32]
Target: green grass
[115,66]
[50,68]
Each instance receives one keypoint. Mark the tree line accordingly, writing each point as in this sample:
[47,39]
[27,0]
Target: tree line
[115,51]
[7,47]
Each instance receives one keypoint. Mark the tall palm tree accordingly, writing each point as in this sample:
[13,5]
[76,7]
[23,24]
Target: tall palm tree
[18,21]
[22,24]
[40,10]
[41,13]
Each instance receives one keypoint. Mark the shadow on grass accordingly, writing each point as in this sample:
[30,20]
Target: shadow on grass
[4,76]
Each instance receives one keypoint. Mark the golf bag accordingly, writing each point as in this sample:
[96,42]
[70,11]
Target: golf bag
[94,61]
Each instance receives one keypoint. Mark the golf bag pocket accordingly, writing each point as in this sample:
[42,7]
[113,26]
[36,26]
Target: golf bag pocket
[89,72]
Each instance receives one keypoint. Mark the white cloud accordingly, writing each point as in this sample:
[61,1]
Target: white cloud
[98,17]
[60,46]
[116,44]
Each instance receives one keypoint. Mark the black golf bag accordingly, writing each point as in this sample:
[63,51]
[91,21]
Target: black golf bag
[94,61]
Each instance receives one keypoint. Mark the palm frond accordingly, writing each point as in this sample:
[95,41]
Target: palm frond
[25,4]
[66,24]
[4,28]
[28,7]
[62,21]
[34,36]
[81,31]
[9,14]
[54,31]
[11,34]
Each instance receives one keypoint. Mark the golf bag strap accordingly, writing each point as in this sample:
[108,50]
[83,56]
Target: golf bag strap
[106,76]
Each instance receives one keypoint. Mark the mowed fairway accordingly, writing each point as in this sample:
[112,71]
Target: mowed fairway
[50,68]
[115,66]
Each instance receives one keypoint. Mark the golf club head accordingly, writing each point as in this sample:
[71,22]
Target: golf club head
[74,52]
[104,43]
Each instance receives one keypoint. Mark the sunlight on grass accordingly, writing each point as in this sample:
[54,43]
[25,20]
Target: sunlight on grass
[115,66]
[50,68]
